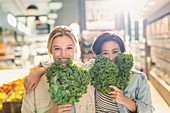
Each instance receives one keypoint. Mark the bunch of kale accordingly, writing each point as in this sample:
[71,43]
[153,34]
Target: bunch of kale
[67,83]
[104,73]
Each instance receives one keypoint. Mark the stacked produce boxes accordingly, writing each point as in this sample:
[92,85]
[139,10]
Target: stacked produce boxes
[11,95]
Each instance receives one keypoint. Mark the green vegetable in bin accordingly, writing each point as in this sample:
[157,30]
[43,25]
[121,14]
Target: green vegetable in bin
[104,72]
[67,83]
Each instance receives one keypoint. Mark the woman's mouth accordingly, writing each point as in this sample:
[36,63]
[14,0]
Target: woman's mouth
[63,60]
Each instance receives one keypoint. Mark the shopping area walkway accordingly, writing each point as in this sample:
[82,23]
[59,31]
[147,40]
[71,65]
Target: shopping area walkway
[158,102]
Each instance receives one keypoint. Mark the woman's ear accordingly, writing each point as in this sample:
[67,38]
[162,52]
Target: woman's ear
[51,50]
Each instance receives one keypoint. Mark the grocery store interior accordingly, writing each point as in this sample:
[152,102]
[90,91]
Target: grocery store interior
[144,25]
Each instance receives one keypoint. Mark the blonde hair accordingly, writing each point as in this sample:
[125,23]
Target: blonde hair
[63,31]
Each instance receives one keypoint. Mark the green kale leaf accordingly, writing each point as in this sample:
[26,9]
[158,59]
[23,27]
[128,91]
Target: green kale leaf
[104,73]
[67,83]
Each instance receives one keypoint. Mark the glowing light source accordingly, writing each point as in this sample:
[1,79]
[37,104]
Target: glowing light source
[127,4]
[51,21]
[21,27]
[55,5]
[37,20]
[145,9]
[11,20]
[27,31]
[53,15]
[43,19]
[151,3]
[76,28]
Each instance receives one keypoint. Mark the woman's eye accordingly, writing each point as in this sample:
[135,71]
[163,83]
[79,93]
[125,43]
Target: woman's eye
[104,53]
[56,48]
[115,51]
[69,48]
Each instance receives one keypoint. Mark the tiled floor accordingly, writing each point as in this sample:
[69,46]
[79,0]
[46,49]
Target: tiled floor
[158,102]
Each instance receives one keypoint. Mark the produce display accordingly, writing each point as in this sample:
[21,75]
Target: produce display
[104,73]
[3,95]
[13,91]
[6,88]
[67,83]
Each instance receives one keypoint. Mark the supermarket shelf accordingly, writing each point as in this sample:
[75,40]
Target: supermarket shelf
[159,36]
[8,67]
[161,86]
[163,58]
[7,57]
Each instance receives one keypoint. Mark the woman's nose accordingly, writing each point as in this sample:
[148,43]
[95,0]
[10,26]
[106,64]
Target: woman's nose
[63,53]
[111,57]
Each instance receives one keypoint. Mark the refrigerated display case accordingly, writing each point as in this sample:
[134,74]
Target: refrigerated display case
[6,58]
[158,41]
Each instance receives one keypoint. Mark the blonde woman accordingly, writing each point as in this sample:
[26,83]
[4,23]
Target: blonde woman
[62,46]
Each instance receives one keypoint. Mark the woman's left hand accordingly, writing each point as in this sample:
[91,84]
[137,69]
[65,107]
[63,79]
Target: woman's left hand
[117,95]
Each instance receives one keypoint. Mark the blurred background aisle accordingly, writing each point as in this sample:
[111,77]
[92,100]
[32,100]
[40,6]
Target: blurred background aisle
[144,25]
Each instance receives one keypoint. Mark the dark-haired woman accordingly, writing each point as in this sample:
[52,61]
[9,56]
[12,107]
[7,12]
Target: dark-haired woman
[136,97]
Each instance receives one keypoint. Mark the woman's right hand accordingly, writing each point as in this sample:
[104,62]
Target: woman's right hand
[33,78]
[66,108]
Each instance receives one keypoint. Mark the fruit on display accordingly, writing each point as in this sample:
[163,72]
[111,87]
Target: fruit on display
[13,91]
[3,95]
[18,92]
[6,88]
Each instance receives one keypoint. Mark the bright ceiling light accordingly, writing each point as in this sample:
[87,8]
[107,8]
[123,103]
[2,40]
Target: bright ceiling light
[51,21]
[75,27]
[142,13]
[11,20]
[37,20]
[43,19]
[127,4]
[53,15]
[27,31]
[21,27]
[151,3]
[145,9]
[55,5]
[21,19]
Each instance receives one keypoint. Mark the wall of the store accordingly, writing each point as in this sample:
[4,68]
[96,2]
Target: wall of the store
[161,12]
[69,13]
[4,25]
[1,17]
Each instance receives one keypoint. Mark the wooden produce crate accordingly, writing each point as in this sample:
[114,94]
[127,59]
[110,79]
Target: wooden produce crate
[12,107]
[1,111]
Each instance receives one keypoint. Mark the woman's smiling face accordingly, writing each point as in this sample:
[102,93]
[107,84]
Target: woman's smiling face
[110,49]
[63,49]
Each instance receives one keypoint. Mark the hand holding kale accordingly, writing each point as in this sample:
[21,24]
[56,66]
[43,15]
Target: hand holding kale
[104,73]
[67,83]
